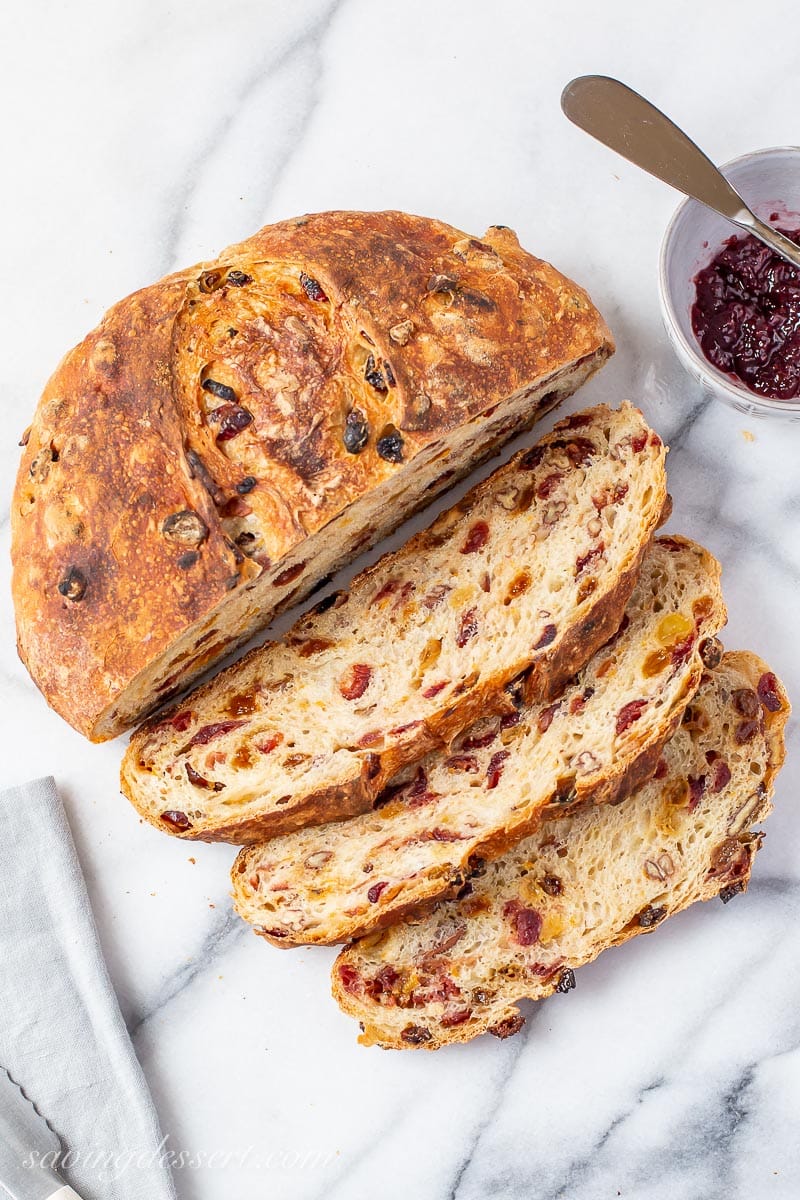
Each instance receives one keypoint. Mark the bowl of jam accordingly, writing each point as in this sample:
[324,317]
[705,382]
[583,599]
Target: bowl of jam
[731,305]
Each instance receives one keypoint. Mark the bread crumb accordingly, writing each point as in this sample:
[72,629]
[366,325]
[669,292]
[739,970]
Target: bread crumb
[193,861]
[748,435]
[210,905]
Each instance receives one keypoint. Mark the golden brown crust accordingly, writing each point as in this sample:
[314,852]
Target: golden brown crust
[102,467]
[126,437]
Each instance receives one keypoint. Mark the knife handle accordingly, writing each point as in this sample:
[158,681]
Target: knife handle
[64,1193]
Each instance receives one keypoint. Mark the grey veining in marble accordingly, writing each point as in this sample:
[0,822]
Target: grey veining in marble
[142,137]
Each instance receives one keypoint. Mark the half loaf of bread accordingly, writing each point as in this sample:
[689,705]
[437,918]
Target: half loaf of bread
[226,438]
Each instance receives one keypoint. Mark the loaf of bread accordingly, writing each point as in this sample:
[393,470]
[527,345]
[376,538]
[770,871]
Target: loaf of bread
[531,570]
[226,438]
[583,883]
[492,787]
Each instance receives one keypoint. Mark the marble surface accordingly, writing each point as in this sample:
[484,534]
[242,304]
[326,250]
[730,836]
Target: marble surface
[141,137]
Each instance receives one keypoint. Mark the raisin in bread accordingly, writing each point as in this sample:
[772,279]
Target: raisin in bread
[495,783]
[226,438]
[532,569]
[581,884]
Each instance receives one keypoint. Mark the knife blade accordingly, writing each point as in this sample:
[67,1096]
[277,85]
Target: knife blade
[27,1143]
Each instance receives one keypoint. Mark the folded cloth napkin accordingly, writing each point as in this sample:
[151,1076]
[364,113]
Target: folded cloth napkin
[62,1036]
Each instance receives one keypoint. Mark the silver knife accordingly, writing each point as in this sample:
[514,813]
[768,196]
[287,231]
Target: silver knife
[627,123]
[27,1146]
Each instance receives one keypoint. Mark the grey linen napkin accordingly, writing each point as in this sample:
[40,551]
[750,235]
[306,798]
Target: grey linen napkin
[62,1036]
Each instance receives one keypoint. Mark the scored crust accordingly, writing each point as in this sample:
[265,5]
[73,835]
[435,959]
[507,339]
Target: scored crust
[532,569]
[600,739]
[582,883]
[228,436]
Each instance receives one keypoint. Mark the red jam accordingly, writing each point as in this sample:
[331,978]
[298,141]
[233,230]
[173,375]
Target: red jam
[746,316]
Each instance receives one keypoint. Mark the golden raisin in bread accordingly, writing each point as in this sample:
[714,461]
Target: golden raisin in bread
[582,883]
[231,435]
[531,570]
[493,785]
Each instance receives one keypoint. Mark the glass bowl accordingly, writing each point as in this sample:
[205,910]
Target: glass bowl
[769,182]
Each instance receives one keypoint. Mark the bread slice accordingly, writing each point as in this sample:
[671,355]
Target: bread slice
[532,569]
[582,883]
[492,787]
[229,436]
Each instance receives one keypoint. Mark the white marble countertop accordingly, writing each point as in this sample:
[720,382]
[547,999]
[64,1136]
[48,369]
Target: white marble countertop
[142,137]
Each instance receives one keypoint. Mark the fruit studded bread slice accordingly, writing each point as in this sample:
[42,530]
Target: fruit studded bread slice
[581,883]
[530,572]
[494,784]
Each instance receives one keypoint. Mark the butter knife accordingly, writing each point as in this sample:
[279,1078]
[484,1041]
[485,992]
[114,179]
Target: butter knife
[633,127]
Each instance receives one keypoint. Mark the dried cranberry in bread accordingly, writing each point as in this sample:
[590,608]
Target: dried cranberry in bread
[229,436]
[581,883]
[494,784]
[531,570]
